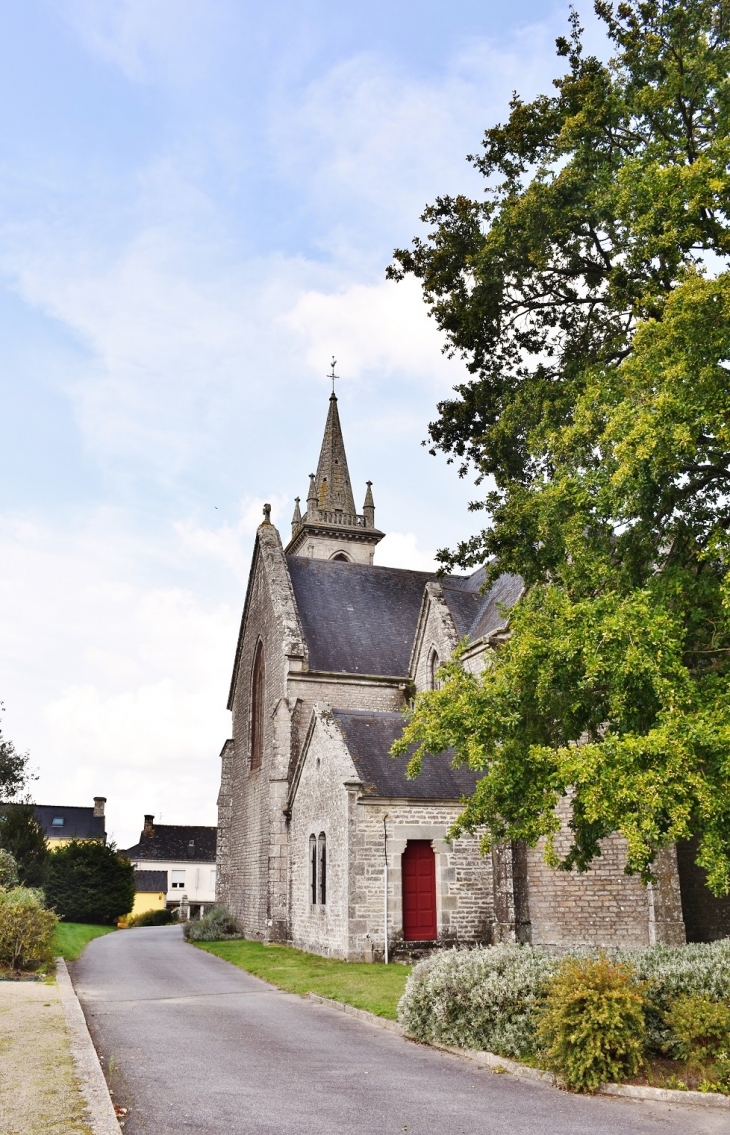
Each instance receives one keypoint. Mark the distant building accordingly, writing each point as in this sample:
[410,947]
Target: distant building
[150,891]
[187,854]
[61,824]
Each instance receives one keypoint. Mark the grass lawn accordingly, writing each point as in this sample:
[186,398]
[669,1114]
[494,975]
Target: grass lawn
[375,987]
[71,937]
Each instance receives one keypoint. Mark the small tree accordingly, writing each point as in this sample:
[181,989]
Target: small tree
[88,881]
[26,929]
[14,774]
[22,835]
[8,871]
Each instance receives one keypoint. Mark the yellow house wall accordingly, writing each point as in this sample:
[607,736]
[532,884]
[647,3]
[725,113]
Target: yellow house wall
[148,900]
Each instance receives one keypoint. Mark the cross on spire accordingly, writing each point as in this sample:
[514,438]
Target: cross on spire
[333,376]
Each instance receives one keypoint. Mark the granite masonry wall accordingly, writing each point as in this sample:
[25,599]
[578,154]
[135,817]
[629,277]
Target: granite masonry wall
[602,906]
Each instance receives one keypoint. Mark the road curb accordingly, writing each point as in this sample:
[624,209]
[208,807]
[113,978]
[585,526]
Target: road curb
[523,1072]
[102,1118]
[363,1014]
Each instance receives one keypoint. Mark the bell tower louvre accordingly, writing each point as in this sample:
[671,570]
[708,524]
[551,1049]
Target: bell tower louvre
[331,529]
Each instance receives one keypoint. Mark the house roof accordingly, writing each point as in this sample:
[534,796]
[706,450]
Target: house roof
[78,823]
[149,881]
[357,618]
[369,736]
[175,842]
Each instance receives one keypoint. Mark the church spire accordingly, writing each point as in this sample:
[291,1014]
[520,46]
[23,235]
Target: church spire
[331,529]
[332,480]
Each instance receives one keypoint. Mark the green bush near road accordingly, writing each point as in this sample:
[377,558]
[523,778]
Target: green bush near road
[161,917]
[26,930]
[591,1027]
[88,881]
[491,998]
[215,926]
[69,938]
[374,987]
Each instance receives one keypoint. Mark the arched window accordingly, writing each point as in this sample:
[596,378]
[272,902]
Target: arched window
[341,556]
[257,708]
[322,849]
[313,869]
[433,666]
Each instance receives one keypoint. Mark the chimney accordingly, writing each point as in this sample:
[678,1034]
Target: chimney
[99,802]
[148,825]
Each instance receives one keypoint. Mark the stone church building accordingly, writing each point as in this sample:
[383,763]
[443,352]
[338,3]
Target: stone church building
[322,840]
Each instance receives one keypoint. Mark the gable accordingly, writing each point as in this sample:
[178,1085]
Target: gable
[269,567]
[369,736]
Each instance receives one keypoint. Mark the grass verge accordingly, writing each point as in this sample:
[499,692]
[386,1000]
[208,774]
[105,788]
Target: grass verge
[375,987]
[70,938]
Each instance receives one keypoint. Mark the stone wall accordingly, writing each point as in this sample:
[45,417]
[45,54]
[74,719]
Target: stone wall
[320,806]
[256,864]
[602,906]
[225,814]
[436,632]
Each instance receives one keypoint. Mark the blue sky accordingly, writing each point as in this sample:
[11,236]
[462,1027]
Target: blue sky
[198,202]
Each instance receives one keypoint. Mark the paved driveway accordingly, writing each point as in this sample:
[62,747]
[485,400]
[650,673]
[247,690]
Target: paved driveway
[196,1045]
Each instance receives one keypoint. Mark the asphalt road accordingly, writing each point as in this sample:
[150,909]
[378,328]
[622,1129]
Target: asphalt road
[192,1044]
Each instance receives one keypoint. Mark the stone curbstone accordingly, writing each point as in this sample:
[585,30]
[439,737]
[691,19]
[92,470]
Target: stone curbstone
[524,1072]
[102,1117]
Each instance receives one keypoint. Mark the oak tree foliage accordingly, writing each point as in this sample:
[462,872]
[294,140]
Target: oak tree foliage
[588,292]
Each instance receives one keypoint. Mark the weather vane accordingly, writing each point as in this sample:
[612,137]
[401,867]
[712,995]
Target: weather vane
[333,376]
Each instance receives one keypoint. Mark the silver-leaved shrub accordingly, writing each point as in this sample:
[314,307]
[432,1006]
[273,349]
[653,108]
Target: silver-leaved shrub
[488,997]
[483,998]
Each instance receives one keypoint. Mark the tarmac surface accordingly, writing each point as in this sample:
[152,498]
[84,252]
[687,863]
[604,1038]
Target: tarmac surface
[190,1043]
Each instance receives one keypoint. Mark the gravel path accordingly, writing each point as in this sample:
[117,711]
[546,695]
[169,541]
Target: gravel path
[196,1045]
[39,1094]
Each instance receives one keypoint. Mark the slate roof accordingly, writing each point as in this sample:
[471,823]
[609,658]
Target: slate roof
[78,823]
[357,618]
[146,882]
[505,593]
[361,619]
[175,842]
[368,737]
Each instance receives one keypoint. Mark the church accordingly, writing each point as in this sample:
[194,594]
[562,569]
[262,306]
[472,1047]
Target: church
[323,842]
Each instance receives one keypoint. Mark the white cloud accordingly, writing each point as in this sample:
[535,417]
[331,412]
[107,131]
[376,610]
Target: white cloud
[146,39]
[383,327]
[400,550]
[117,685]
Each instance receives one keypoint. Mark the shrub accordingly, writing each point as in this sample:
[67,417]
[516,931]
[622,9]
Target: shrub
[151,918]
[483,998]
[8,870]
[22,835]
[214,926]
[591,1028]
[26,929]
[668,972]
[88,881]
[700,1029]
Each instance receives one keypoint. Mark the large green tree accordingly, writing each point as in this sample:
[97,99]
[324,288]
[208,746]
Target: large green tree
[588,293]
[89,881]
[21,833]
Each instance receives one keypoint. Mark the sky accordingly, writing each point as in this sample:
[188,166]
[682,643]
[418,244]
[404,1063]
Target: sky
[198,201]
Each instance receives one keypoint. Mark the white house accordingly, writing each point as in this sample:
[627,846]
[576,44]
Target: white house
[187,853]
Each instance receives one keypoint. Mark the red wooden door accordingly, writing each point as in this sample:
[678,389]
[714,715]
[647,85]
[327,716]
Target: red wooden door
[419,891]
